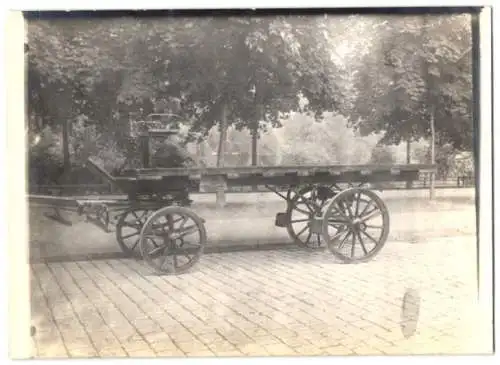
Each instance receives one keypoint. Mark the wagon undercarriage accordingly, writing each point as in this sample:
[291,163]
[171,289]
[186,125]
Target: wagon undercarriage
[326,206]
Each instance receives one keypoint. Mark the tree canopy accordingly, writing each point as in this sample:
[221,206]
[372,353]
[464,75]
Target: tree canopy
[384,74]
[419,65]
[258,68]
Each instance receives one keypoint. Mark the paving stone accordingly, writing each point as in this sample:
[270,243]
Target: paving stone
[259,303]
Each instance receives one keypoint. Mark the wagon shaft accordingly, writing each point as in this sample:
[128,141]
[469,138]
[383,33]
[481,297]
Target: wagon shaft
[96,211]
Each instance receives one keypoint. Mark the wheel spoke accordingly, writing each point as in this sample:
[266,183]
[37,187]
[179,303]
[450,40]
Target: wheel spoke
[344,240]
[302,231]
[336,224]
[152,237]
[349,210]
[331,220]
[342,213]
[334,185]
[305,201]
[185,231]
[143,215]
[159,225]
[132,225]
[295,207]
[135,244]
[370,237]
[338,234]
[157,249]
[131,235]
[362,243]
[183,219]
[371,215]
[353,245]
[357,203]
[308,237]
[299,220]
[370,203]
[375,227]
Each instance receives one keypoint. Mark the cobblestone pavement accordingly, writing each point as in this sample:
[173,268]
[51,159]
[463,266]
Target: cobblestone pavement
[287,302]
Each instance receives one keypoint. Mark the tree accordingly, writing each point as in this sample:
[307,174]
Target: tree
[248,71]
[420,69]
[64,68]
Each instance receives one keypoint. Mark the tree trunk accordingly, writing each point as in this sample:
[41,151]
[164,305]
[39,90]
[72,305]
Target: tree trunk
[408,152]
[201,153]
[64,116]
[220,191]
[65,143]
[222,138]
[255,129]
[430,103]
[255,136]
[408,160]
[433,155]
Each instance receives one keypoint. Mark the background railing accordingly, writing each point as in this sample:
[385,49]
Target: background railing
[107,189]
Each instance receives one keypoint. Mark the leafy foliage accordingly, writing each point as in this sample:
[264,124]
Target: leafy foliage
[257,69]
[385,75]
[382,155]
[420,67]
[329,142]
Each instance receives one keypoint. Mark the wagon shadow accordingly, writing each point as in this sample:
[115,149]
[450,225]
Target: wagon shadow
[320,257]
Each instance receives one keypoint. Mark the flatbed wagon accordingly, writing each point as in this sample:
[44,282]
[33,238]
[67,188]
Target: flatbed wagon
[330,206]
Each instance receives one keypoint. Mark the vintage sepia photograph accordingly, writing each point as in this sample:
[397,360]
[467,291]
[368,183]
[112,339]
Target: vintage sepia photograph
[228,183]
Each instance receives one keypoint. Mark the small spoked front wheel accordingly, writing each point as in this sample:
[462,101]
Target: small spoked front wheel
[128,230]
[172,240]
[356,225]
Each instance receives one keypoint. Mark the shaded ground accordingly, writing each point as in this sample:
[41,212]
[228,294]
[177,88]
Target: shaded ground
[248,221]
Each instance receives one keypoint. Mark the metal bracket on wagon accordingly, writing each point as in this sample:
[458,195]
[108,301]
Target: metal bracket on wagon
[95,213]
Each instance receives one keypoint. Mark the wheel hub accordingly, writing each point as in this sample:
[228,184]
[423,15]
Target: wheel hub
[357,225]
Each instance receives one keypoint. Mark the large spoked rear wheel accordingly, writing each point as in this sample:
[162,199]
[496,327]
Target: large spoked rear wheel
[128,230]
[356,225]
[306,204]
[172,240]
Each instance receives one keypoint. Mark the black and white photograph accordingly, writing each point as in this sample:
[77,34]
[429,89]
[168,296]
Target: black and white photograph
[255,183]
